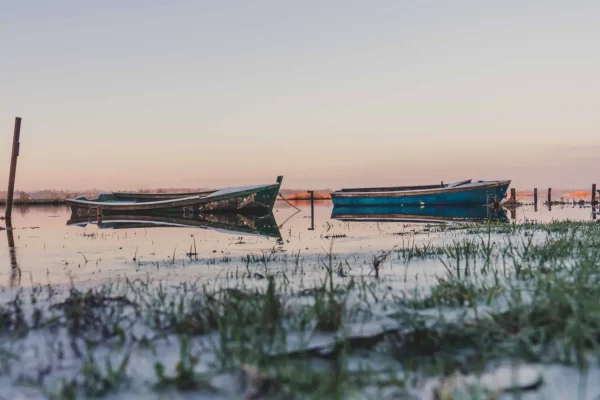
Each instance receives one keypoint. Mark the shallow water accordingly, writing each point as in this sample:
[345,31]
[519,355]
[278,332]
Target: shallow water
[47,250]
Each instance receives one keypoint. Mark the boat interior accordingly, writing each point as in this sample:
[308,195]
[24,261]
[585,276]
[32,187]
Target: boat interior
[406,188]
[153,196]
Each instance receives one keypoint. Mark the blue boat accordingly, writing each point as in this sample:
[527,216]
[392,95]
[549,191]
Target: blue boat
[464,193]
[419,214]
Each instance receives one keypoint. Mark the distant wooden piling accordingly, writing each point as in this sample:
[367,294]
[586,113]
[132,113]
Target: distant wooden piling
[13,168]
[312,210]
[549,198]
[535,199]
[594,201]
[511,201]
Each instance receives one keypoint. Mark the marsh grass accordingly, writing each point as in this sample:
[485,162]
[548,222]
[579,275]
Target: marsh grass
[527,292]
[185,377]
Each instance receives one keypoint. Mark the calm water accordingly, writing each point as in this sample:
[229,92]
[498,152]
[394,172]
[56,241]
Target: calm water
[47,247]
[48,250]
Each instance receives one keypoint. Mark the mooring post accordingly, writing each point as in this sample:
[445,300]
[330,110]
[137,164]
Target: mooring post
[312,210]
[13,168]
[535,196]
[594,201]
[549,198]
[513,194]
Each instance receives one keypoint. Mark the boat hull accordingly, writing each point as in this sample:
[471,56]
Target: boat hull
[251,199]
[476,194]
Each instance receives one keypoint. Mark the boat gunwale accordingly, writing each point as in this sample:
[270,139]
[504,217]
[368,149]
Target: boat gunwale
[165,195]
[474,186]
[407,188]
[107,204]
[393,188]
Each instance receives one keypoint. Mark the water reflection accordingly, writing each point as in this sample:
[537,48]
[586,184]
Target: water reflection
[15,271]
[261,225]
[419,214]
[50,251]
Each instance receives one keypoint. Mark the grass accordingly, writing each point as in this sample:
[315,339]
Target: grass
[526,292]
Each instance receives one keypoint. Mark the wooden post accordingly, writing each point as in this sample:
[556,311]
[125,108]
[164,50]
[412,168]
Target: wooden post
[513,194]
[535,199]
[312,210]
[13,168]
[594,201]
[549,198]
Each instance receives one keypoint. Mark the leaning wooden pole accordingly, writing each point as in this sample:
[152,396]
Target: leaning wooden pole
[13,168]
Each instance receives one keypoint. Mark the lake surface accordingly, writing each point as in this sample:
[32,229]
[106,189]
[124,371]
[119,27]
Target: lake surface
[49,250]
[142,285]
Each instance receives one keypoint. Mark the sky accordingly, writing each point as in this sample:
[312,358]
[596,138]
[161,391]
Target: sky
[330,94]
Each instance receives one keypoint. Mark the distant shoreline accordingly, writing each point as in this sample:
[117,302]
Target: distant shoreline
[35,202]
[289,195]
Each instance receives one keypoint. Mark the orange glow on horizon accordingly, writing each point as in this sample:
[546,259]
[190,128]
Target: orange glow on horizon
[306,196]
[579,194]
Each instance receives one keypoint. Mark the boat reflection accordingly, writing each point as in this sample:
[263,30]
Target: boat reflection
[249,224]
[419,214]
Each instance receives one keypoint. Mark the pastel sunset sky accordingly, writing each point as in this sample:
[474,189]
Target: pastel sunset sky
[135,94]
